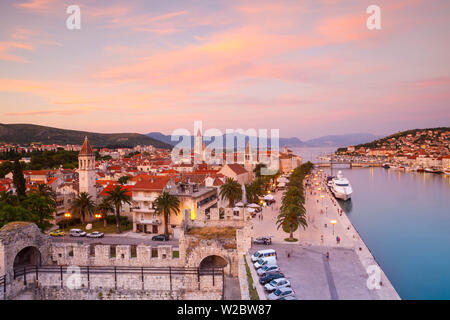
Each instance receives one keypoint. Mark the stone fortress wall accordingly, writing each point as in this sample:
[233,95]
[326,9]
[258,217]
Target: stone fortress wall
[190,254]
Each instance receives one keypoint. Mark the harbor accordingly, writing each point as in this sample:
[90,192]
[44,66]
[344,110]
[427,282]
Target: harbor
[344,274]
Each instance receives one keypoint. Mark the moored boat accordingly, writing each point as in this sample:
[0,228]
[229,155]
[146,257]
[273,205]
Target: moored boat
[341,187]
[433,170]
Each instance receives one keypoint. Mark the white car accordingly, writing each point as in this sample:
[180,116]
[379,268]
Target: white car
[267,269]
[277,284]
[281,293]
[95,234]
[265,261]
[77,233]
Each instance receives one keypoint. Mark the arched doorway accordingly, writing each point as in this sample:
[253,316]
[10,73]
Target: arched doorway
[27,256]
[214,262]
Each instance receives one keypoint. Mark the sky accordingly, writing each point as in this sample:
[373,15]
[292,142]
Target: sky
[307,67]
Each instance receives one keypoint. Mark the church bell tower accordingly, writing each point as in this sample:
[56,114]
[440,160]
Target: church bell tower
[86,165]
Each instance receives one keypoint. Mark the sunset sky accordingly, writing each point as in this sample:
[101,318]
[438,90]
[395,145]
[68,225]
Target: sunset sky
[308,67]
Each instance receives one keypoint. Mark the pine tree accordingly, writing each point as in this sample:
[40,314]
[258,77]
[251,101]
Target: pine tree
[19,179]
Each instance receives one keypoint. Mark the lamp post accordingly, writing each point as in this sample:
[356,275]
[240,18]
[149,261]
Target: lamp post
[67,216]
[333,222]
[322,197]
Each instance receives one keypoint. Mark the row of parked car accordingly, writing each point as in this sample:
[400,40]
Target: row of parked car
[271,277]
[78,233]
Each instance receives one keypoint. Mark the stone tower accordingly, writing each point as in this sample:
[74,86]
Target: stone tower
[248,158]
[198,148]
[86,165]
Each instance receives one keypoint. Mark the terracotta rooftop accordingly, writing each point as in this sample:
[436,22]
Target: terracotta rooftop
[156,183]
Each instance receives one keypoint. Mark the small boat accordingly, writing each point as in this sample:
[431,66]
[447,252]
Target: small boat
[420,169]
[447,171]
[433,170]
[386,166]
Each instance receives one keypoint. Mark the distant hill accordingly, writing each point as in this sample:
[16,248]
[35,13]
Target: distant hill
[30,133]
[326,141]
[377,142]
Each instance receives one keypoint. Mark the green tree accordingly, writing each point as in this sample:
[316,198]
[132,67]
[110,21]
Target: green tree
[166,204]
[117,196]
[19,180]
[9,198]
[42,209]
[231,190]
[258,168]
[105,207]
[123,180]
[83,206]
[46,191]
[290,218]
[9,213]
[254,191]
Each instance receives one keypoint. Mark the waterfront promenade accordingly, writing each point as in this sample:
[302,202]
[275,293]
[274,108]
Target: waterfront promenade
[344,274]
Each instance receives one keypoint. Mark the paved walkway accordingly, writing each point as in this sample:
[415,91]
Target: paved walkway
[343,275]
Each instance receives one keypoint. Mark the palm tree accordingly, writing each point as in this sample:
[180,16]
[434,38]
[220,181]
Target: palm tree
[254,190]
[45,191]
[257,169]
[231,190]
[105,207]
[291,218]
[166,204]
[117,196]
[83,206]
[123,180]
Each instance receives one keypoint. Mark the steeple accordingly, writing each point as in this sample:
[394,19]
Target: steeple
[86,149]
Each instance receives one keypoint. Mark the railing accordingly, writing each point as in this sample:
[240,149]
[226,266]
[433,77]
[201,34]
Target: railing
[142,271]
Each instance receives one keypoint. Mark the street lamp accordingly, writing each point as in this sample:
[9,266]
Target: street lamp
[333,222]
[67,216]
[322,197]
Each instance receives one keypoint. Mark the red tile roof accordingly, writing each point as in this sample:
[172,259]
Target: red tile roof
[237,168]
[153,184]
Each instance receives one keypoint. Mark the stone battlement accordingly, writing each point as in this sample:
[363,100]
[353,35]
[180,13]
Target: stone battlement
[116,255]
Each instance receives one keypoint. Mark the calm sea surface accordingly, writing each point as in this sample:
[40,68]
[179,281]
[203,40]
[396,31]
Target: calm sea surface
[404,219]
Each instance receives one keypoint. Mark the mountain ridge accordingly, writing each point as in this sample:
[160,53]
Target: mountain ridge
[294,142]
[21,133]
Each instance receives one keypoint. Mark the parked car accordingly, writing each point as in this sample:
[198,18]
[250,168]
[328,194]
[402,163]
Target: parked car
[281,293]
[293,297]
[267,269]
[277,284]
[160,237]
[57,233]
[77,233]
[265,261]
[263,240]
[270,277]
[95,234]
[263,253]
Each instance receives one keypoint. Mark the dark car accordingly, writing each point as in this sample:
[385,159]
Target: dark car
[160,237]
[270,277]
[263,240]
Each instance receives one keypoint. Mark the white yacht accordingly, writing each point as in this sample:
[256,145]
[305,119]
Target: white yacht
[341,187]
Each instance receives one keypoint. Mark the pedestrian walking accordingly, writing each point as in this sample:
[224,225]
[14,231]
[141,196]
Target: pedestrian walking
[321,238]
[328,255]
